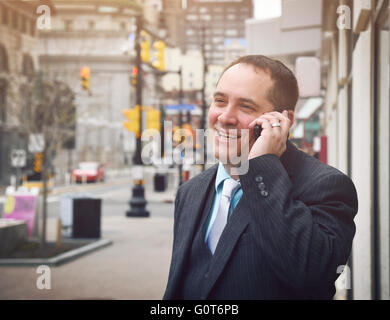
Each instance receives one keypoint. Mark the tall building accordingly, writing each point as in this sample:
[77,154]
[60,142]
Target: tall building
[213,25]
[98,35]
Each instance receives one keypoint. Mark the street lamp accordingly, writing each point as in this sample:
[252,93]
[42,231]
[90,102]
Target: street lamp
[137,201]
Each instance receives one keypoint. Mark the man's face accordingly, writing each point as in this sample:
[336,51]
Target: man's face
[240,98]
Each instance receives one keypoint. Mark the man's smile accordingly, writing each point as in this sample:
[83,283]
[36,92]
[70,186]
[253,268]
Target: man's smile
[230,134]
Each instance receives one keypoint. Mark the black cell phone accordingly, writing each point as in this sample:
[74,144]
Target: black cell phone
[257,131]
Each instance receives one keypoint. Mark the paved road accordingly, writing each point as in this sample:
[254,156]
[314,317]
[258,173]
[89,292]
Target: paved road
[135,266]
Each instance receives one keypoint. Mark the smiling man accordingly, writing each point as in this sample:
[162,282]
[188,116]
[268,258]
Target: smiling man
[277,230]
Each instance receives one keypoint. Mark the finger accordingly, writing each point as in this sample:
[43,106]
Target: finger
[285,122]
[255,122]
[259,121]
[272,120]
[265,124]
[281,116]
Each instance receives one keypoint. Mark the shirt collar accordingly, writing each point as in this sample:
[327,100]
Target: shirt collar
[221,176]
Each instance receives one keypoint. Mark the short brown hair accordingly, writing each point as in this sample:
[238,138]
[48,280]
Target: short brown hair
[284,94]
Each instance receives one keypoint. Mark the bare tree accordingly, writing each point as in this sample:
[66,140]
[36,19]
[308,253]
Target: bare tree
[48,110]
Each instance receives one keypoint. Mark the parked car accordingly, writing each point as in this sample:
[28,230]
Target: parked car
[89,172]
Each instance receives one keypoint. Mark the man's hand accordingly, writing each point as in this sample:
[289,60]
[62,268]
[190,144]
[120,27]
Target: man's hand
[272,139]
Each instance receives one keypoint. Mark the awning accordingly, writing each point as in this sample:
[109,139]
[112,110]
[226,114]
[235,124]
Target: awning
[309,108]
[298,132]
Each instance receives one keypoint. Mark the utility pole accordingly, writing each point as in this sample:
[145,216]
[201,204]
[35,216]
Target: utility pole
[181,122]
[138,202]
[204,106]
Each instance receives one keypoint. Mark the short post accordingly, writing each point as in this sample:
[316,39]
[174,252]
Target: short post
[59,233]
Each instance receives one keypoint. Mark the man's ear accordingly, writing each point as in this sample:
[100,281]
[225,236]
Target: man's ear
[291,116]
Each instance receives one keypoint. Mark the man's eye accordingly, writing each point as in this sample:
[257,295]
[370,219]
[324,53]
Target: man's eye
[245,106]
[219,100]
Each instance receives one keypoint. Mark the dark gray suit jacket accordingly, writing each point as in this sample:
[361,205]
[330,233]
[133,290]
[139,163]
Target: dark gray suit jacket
[284,240]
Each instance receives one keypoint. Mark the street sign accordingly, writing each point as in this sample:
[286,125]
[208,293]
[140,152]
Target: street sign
[181,107]
[35,143]
[18,158]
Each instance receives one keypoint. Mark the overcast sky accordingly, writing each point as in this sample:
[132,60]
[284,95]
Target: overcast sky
[266,9]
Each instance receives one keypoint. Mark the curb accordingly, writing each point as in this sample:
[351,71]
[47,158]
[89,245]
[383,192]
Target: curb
[60,259]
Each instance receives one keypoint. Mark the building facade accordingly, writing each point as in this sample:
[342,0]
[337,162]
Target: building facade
[98,35]
[211,25]
[290,38]
[18,61]
[356,39]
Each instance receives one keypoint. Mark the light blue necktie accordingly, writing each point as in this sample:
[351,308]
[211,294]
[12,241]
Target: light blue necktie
[229,185]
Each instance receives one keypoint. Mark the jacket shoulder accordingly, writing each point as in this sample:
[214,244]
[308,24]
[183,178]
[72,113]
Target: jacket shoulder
[201,179]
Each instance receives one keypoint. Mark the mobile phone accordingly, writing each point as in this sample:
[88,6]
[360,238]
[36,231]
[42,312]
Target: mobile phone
[257,131]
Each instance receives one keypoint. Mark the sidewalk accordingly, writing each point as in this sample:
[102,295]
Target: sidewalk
[135,266]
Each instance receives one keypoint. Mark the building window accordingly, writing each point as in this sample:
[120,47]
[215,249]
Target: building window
[205,17]
[192,17]
[231,32]
[231,16]
[217,40]
[32,28]
[91,25]
[3,100]
[203,10]
[123,26]
[15,21]
[68,25]
[27,66]
[4,15]
[3,59]
[24,24]
[217,55]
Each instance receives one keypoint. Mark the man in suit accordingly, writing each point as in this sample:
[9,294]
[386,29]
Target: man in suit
[278,230]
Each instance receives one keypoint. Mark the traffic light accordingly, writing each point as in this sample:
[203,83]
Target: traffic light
[134,76]
[38,162]
[133,117]
[145,46]
[85,73]
[154,119]
[159,55]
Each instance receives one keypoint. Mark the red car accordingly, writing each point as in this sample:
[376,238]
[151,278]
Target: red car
[89,172]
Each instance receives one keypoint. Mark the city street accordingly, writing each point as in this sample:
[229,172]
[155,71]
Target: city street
[124,99]
[135,266]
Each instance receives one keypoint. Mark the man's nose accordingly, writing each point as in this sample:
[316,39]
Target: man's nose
[228,116]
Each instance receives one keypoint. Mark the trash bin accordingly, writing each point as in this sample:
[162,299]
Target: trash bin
[86,218]
[160,183]
[80,219]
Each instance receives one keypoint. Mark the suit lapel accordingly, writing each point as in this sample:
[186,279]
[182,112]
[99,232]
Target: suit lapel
[190,214]
[236,225]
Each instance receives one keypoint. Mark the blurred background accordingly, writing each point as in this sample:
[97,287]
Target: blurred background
[81,80]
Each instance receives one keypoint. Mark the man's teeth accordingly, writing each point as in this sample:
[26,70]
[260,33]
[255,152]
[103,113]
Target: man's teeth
[221,134]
